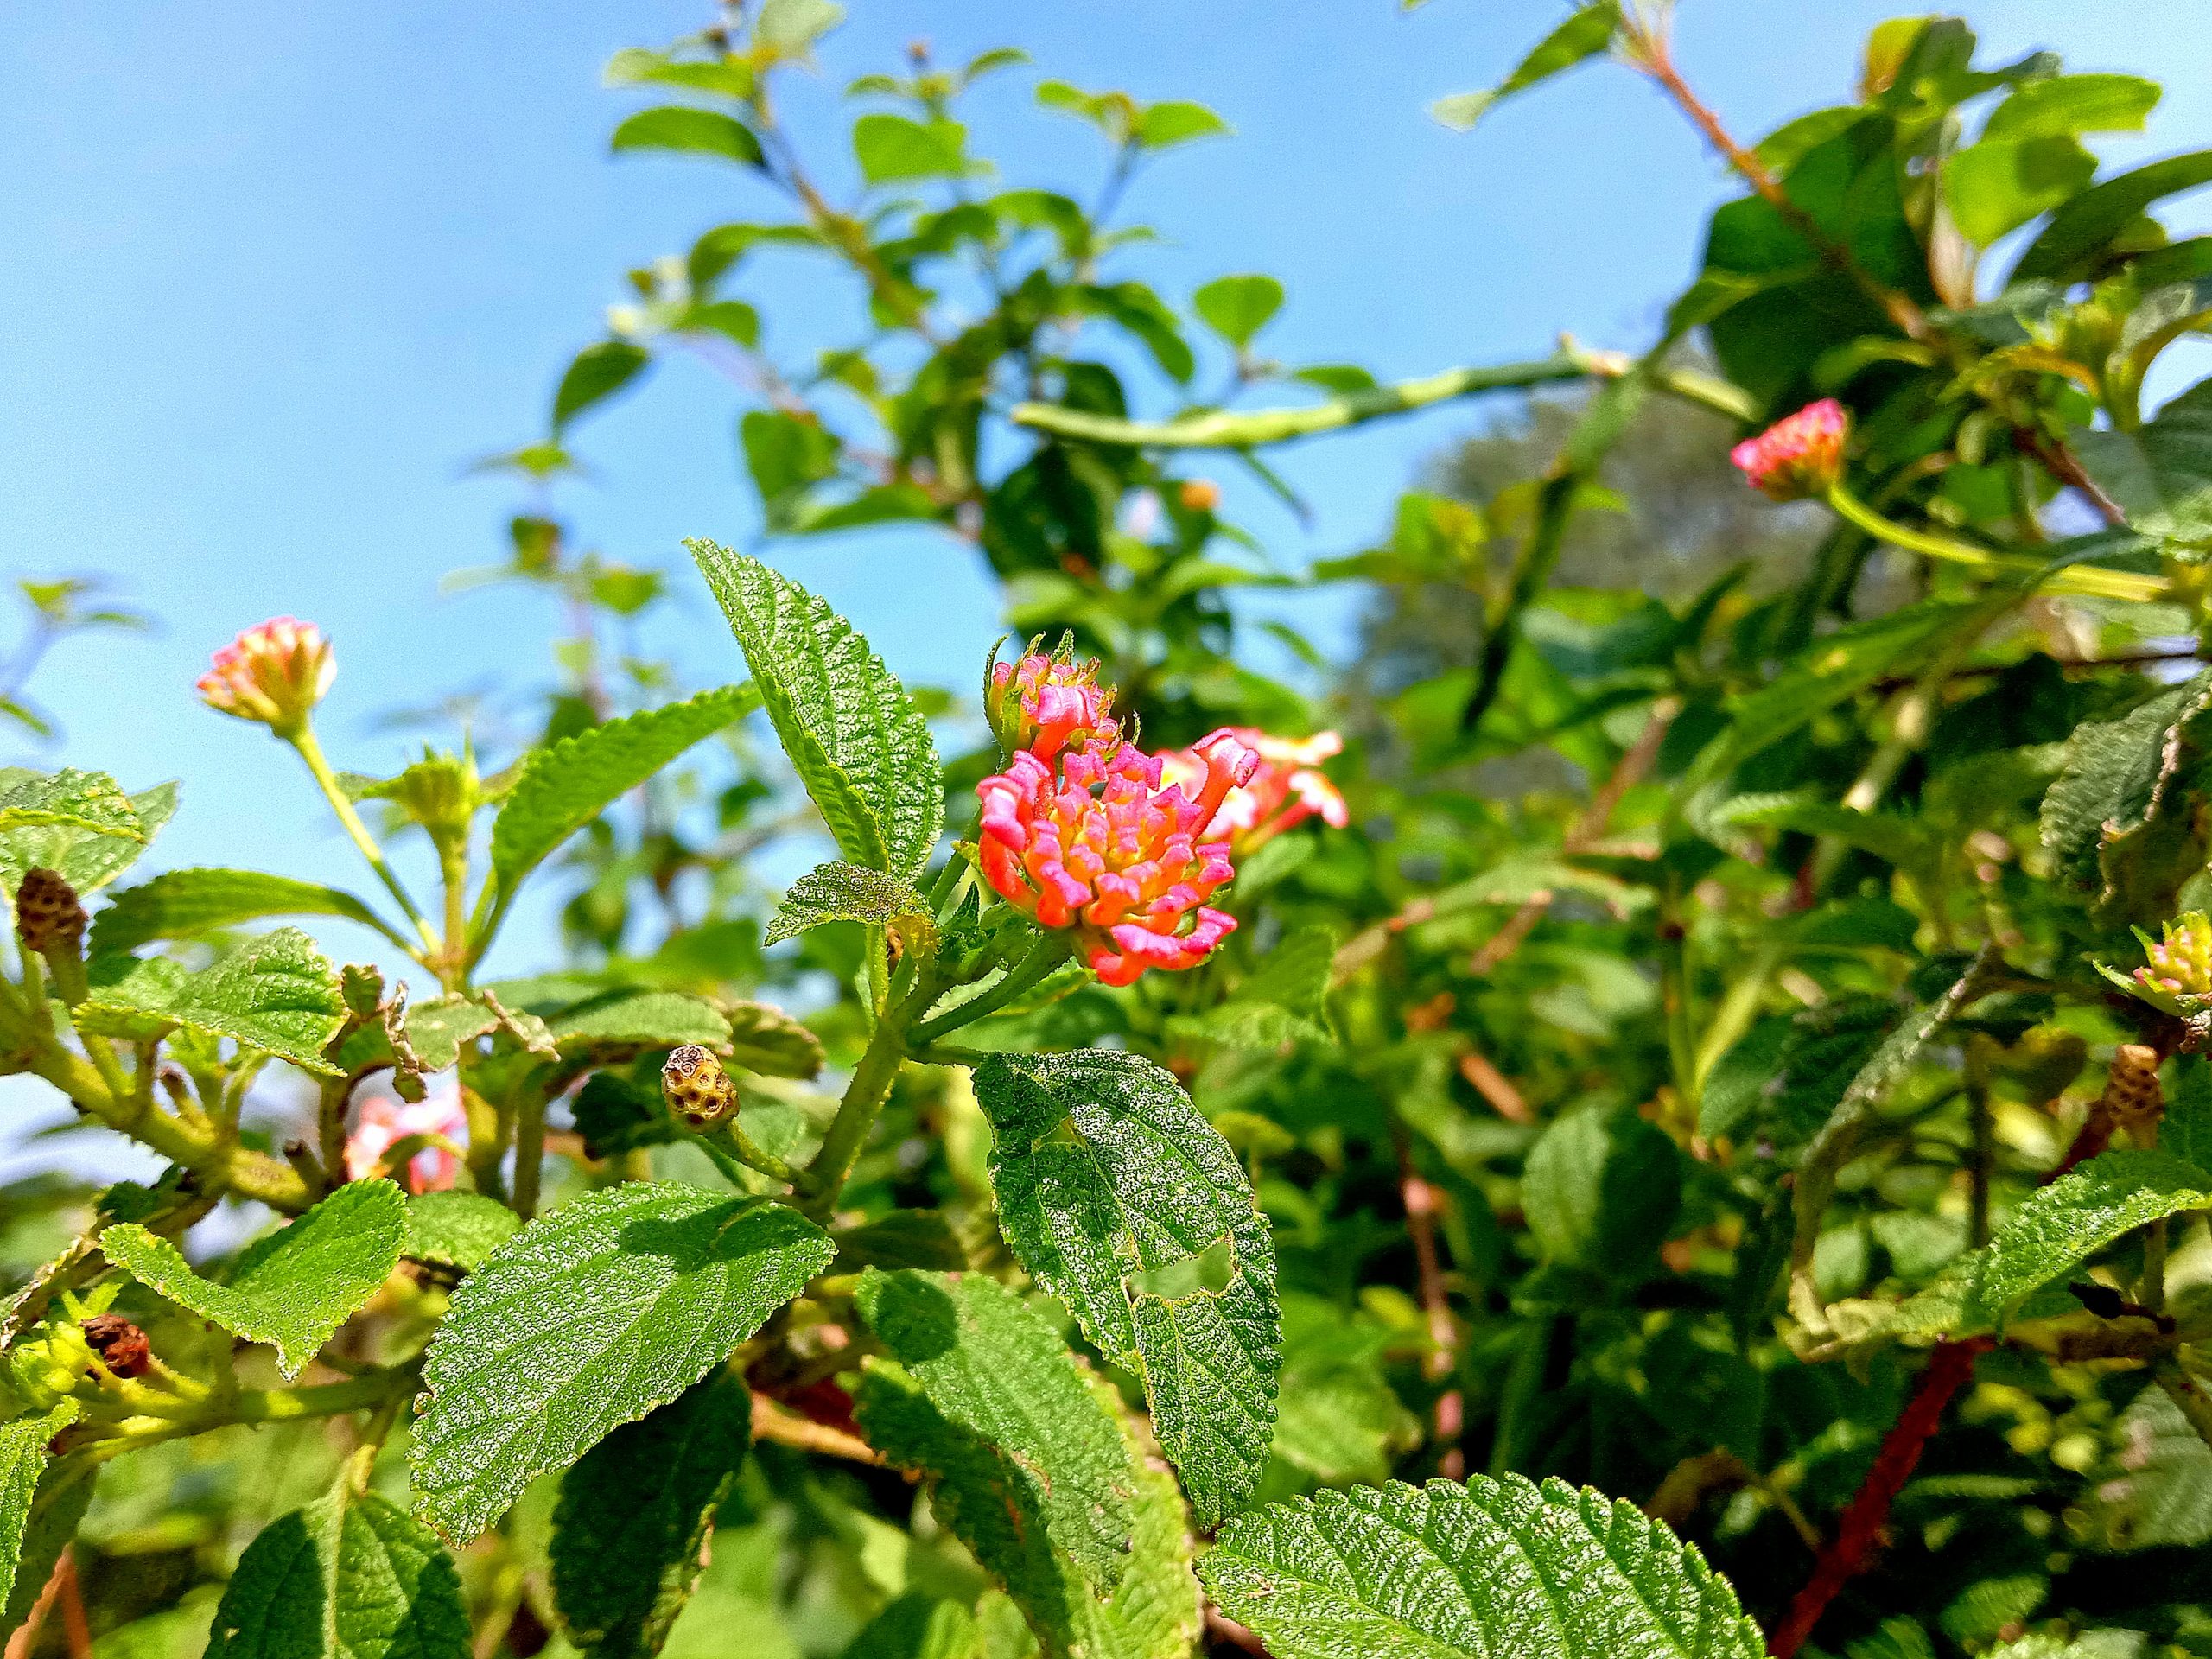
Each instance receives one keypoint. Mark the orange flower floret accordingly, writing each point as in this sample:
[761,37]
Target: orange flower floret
[1094,843]
[1799,456]
[273,673]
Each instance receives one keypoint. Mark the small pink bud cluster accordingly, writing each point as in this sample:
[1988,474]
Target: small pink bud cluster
[1286,789]
[385,1122]
[273,673]
[2180,962]
[1045,704]
[1080,834]
[1799,456]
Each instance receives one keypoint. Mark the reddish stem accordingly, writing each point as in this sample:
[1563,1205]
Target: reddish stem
[1859,1532]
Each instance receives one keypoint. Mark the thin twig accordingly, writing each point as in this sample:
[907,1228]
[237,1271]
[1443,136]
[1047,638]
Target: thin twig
[773,1422]
[1652,55]
[1859,1532]
[1421,1201]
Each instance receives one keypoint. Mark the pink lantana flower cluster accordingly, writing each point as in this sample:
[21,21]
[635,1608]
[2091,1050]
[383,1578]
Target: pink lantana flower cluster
[385,1122]
[1286,789]
[275,673]
[1799,456]
[2180,962]
[1079,831]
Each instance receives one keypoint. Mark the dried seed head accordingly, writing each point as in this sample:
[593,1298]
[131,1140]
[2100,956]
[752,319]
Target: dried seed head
[698,1089]
[2133,1096]
[47,914]
[121,1346]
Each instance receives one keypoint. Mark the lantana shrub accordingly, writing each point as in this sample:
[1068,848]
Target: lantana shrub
[1660,1116]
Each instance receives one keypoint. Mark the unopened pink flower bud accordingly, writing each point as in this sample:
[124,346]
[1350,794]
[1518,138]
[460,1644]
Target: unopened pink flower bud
[1045,704]
[1799,456]
[273,673]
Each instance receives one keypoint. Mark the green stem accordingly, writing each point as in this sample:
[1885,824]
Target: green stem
[1051,950]
[1247,430]
[310,751]
[2083,580]
[913,988]
[530,1150]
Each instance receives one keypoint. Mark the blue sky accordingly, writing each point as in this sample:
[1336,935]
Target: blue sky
[275,274]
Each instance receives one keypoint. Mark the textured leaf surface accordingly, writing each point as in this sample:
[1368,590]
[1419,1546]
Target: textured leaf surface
[276,993]
[344,1578]
[2160,1492]
[2160,474]
[2120,779]
[91,802]
[1498,1569]
[292,1289]
[65,1493]
[587,1320]
[857,742]
[634,1513]
[564,785]
[851,893]
[2058,1227]
[88,860]
[457,1229]
[23,1460]
[765,1039]
[987,1398]
[183,904]
[645,1019]
[1145,1184]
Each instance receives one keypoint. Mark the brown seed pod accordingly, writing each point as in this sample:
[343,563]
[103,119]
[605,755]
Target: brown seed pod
[2133,1096]
[699,1090]
[121,1346]
[47,914]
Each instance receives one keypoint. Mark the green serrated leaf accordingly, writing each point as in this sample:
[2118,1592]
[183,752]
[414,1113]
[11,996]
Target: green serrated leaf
[456,1230]
[982,1396]
[850,893]
[766,1041]
[894,148]
[184,904]
[1145,1186]
[587,1320]
[1238,308]
[22,1461]
[2058,1227]
[598,370]
[1587,32]
[2160,473]
[346,1577]
[2107,818]
[277,994]
[564,785]
[64,1492]
[640,1018]
[616,1113]
[856,740]
[1602,1190]
[634,1513]
[690,132]
[436,1030]
[91,802]
[1493,1569]
[291,1289]
[904,1238]
[86,859]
